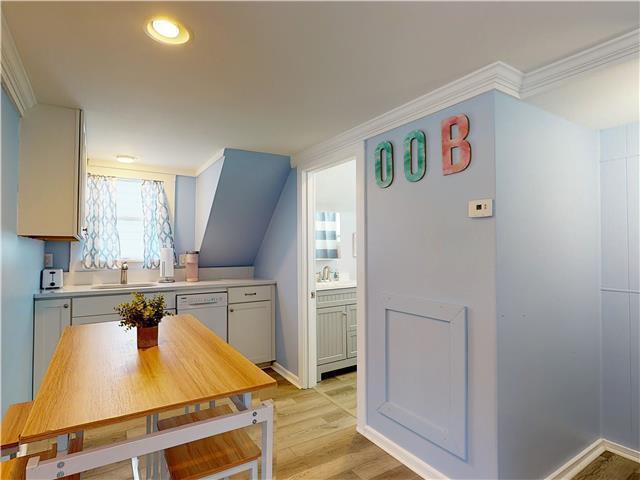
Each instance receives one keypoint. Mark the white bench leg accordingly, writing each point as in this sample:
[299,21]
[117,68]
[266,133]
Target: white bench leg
[267,446]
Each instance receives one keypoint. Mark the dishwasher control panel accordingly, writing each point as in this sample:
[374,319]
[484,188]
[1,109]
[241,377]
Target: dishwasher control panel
[195,300]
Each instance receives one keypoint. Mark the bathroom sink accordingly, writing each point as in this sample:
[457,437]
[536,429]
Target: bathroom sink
[109,286]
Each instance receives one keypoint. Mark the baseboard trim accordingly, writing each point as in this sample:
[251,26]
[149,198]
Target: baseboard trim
[621,450]
[579,462]
[290,377]
[588,455]
[403,456]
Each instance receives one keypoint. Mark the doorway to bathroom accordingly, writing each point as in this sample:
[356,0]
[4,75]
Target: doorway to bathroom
[332,257]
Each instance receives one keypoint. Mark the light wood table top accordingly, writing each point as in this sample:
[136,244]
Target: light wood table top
[97,376]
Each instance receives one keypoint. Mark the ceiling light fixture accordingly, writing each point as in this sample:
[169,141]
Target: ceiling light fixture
[167,30]
[125,158]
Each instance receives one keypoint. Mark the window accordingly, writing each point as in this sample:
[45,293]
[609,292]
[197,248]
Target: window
[130,220]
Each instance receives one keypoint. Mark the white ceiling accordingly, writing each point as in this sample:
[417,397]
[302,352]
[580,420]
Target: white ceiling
[600,99]
[276,77]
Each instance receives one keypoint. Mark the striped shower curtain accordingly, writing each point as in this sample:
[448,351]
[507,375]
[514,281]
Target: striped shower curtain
[327,235]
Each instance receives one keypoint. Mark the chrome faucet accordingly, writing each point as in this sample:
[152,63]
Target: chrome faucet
[326,273]
[123,273]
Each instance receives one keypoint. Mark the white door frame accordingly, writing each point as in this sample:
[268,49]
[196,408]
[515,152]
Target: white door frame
[307,354]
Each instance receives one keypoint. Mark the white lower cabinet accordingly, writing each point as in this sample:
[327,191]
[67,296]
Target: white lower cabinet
[50,319]
[336,329]
[251,330]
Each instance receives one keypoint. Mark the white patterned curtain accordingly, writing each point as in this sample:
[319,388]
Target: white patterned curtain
[157,228]
[101,248]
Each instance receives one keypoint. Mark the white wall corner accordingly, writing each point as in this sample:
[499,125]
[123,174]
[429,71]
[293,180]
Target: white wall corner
[403,456]
[214,158]
[620,49]
[14,76]
[288,376]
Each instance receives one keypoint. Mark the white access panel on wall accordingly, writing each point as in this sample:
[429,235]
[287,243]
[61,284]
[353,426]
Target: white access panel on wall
[437,409]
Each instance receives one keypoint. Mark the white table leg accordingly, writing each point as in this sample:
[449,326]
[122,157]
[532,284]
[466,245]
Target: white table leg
[147,459]
[267,445]
[156,455]
[62,444]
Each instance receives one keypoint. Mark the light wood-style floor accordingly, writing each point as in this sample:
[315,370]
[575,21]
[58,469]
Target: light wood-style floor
[315,439]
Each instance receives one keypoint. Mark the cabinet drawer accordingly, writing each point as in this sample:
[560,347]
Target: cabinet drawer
[105,304]
[249,294]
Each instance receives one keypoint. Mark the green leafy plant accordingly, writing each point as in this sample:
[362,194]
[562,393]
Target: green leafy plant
[142,312]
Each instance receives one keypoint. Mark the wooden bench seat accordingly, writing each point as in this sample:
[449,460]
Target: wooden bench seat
[12,425]
[16,468]
[208,456]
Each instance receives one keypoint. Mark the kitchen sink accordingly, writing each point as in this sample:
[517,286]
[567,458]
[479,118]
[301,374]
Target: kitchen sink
[108,286]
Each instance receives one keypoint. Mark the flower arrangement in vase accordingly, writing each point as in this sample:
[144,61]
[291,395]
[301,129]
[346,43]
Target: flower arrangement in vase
[145,315]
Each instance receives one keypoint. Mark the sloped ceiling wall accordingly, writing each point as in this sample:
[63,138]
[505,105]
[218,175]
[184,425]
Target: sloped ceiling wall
[247,192]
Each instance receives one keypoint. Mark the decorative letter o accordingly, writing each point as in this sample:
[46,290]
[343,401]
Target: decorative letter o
[421,161]
[388,151]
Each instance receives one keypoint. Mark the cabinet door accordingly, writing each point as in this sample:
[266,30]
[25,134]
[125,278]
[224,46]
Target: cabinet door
[331,333]
[50,318]
[352,344]
[251,330]
[352,317]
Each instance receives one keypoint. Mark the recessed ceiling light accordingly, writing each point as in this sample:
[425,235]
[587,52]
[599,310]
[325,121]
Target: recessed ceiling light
[167,30]
[125,158]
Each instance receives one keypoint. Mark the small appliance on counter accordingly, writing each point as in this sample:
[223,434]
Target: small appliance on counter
[166,265]
[191,266]
[51,278]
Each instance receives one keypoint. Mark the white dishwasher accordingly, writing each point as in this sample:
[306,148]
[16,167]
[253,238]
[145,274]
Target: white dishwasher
[209,308]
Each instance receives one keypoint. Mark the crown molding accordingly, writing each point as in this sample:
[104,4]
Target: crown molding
[14,76]
[617,50]
[496,76]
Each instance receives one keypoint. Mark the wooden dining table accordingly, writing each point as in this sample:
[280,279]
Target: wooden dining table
[97,376]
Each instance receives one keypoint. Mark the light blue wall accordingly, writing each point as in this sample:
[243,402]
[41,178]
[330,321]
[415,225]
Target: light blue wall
[206,186]
[22,260]
[61,253]
[248,190]
[277,260]
[184,216]
[620,180]
[548,262]
[420,243]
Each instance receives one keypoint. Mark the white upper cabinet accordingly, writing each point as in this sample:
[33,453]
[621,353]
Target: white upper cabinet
[52,173]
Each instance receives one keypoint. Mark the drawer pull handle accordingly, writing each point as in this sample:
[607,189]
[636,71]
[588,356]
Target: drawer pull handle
[250,294]
[231,310]
[66,305]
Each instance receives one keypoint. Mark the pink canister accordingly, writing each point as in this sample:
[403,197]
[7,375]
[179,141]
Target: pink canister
[191,266]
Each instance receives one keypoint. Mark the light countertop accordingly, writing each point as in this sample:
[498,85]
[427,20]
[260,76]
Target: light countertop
[87,291]
[335,285]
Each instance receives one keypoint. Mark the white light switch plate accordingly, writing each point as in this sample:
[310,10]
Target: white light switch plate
[481,208]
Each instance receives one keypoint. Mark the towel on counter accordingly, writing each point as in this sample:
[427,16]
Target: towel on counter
[327,235]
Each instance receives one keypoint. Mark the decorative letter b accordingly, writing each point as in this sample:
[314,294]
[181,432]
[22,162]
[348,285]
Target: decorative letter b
[449,143]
